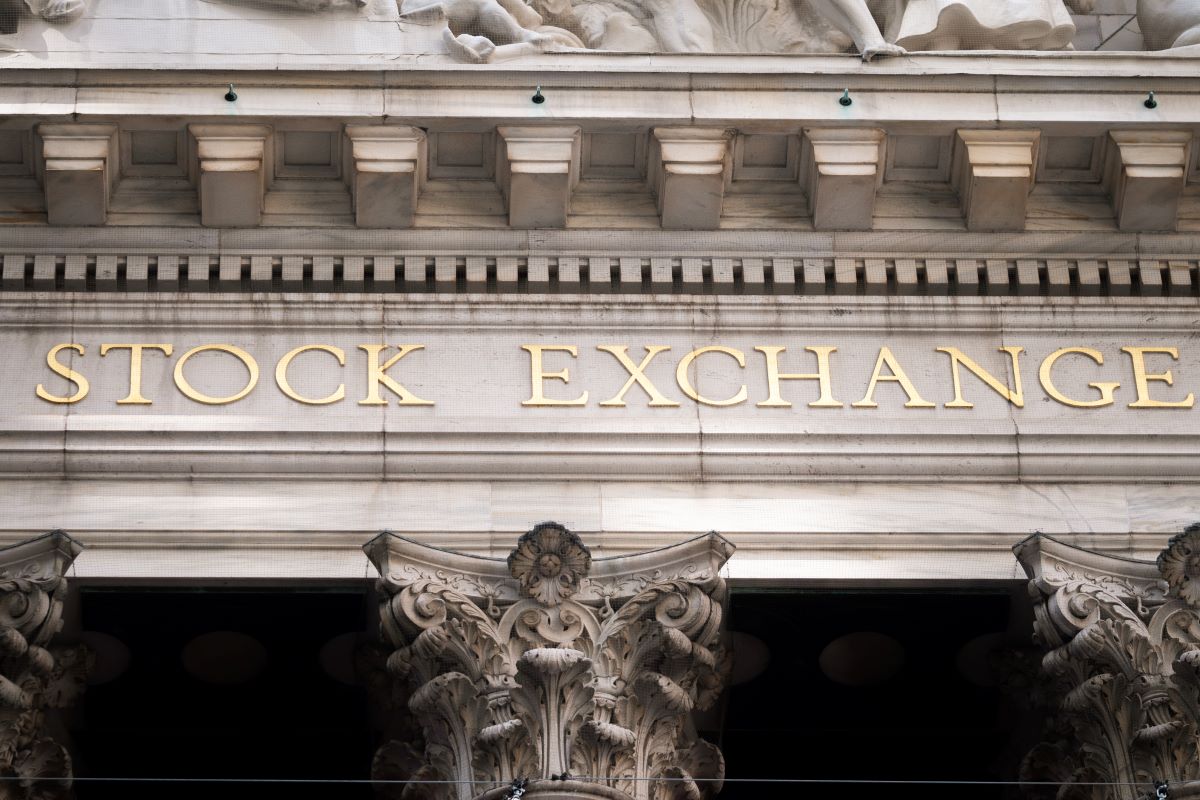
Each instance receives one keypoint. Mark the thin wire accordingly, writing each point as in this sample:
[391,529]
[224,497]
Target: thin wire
[825,781]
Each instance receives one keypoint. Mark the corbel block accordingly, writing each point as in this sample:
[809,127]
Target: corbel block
[1144,173]
[842,169]
[993,172]
[233,173]
[388,172]
[537,172]
[689,176]
[80,171]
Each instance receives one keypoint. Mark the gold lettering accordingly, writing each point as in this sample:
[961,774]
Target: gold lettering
[376,374]
[282,380]
[898,376]
[538,375]
[190,392]
[1016,396]
[1106,388]
[774,376]
[134,398]
[637,374]
[681,376]
[1141,379]
[64,371]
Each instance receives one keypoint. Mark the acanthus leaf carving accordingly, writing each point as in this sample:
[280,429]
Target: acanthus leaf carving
[552,664]
[34,677]
[1123,645]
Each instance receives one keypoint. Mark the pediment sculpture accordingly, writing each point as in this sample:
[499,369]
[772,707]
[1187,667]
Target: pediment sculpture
[53,11]
[478,31]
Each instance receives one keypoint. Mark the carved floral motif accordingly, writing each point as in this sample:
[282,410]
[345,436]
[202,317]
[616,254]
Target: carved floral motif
[553,671]
[548,562]
[1123,661]
[33,678]
[1180,566]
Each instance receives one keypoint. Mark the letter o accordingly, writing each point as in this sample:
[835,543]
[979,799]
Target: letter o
[190,392]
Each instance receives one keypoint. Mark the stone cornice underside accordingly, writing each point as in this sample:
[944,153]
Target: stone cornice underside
[930,146]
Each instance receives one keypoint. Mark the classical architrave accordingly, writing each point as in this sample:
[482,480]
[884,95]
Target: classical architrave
[34,678]
[80,170]
[842,168]
[1123,665]
[993,172]
[689,166]
[553,663]
[537,168]
[232,173]
[1145,173]
[386,173]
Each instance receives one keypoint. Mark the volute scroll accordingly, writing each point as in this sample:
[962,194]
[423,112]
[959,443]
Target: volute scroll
[552,663]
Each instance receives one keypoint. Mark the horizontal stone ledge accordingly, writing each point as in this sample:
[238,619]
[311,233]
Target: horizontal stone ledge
[392,69]
[652,273]
[770,557]
[1015,459]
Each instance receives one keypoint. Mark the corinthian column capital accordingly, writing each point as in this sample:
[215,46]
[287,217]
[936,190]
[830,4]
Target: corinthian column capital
[33,678]
[553,663]
[1122,642]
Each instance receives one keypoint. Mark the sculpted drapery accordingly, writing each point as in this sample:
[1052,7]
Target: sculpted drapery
[483,30]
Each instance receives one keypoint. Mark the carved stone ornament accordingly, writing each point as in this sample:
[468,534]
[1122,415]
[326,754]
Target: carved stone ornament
[549,563]
[34,679]
[484,31]
[553,664]
[1122,642]
[1180,566]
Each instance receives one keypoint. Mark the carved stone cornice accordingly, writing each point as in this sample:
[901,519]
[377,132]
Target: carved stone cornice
[360,268]
[554,663]
[34,678]
[1123,658]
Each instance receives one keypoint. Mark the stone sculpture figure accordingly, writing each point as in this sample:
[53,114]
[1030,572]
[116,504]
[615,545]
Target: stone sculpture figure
[893,27]
[1169,23]
[55,11]
[646,26]
[478,29]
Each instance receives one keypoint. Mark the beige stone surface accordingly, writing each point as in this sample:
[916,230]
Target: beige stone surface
[835,494]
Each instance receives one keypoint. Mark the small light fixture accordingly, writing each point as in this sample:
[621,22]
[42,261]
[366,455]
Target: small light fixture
[845,98]
[231,95]
[1150,101]
[538,98]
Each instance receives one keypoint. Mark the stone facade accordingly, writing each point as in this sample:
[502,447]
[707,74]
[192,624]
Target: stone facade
[873,289]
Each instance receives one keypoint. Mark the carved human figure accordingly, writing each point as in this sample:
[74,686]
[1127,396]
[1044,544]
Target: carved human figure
[313,5]
[50,10]
[479,30]
[893,27]
[1169,23]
